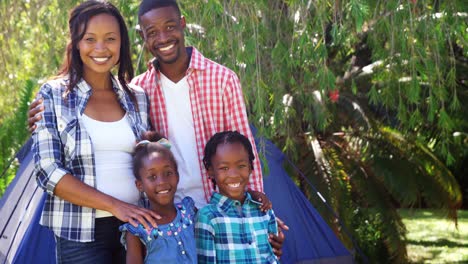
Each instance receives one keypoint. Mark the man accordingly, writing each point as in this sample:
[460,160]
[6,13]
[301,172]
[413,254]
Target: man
[191,99]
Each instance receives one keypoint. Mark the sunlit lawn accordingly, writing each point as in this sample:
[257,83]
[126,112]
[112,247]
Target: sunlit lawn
[434,239]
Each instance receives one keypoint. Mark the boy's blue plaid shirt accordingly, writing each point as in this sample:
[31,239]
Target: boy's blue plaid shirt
[227,231]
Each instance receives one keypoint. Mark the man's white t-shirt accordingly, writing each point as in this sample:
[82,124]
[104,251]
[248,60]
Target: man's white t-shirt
[182,137]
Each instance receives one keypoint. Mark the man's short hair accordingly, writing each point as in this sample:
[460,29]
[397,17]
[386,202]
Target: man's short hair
[148,5]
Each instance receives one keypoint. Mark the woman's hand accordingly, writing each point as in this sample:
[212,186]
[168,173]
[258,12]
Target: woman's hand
[135,215]
[79,193]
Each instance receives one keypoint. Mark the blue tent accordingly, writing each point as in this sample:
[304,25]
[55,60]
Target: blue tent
[22,239]
[309,240]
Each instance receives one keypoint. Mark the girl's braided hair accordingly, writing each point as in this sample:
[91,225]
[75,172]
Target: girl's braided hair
[150,144]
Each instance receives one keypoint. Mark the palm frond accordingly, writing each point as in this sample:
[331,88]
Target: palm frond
[370,192]
[436,182]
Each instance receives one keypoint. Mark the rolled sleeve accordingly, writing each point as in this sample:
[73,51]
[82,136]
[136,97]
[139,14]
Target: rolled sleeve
[47,147]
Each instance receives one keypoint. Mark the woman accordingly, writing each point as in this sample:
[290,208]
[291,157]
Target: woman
[83,144]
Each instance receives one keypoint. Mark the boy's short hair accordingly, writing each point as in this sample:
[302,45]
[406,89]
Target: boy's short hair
[226,137]
[148,5]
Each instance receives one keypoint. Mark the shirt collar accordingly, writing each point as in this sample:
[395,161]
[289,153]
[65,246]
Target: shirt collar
[225,202]
[197,61]
[84,87]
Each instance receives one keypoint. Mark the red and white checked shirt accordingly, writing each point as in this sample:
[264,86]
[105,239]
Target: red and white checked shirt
[217,105]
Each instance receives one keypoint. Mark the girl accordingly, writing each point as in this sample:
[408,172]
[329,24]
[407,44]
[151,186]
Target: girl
[232,228]
[86,173]
[172,241]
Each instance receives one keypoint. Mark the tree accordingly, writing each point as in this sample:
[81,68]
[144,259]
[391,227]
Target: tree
[372,86]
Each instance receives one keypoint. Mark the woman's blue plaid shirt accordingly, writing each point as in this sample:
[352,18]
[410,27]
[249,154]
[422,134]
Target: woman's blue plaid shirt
[62,145]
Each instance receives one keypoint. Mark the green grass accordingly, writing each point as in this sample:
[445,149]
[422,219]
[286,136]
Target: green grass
[432,238]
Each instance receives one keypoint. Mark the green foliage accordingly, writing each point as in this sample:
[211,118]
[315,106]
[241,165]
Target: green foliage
[13,134]
[368,225]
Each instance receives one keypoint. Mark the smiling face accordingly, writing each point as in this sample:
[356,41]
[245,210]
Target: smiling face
[163,31]
[158,179]
[100,46]
[230,167]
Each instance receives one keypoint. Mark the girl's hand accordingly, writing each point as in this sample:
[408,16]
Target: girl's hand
[261,198]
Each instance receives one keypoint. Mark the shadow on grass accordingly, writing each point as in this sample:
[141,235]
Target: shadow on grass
[434,252]
[423,214]
[438,243]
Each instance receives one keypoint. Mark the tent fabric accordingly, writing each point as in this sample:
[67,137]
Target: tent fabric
[309,240]
[22,239]
[38,242]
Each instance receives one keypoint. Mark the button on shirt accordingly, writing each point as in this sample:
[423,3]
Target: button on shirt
[63,146]
[168,243]
[227,231]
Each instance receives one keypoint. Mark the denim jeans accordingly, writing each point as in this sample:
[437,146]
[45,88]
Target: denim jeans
[105,249]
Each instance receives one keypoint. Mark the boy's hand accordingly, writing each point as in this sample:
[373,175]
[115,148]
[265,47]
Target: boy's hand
[35,113]
[261,198]
[276,241]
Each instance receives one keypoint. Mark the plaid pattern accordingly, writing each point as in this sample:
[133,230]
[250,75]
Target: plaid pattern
[217,105]
[228,232]
[63,146]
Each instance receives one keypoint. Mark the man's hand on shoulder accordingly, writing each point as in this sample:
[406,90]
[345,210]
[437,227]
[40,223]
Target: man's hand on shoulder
[35,113]
[276,241]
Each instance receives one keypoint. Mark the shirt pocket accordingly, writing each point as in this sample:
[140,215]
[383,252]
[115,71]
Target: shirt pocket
[67,128]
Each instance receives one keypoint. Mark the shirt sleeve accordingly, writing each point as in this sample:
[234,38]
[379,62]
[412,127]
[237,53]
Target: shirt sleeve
[189,205]
[204,237]
[272,225]
[47,146]
[138,231]
[237,120]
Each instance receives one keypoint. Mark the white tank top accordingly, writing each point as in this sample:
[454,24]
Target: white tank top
[113,144]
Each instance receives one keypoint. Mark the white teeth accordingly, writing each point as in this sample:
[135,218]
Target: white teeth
[101,59]
[163,192]
[166,48]
[234,185]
